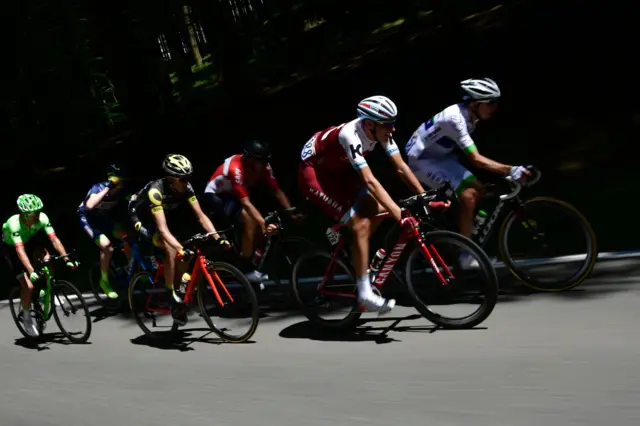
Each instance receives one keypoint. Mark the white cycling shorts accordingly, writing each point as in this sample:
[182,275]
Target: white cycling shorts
[433,173]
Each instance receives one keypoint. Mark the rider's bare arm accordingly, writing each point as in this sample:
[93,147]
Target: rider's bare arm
[483,162]
[22,255]
[204,220]
[282,198]
[405,173]
[95,199]
[253,212]
[163,229]
[379,193]
[57,244]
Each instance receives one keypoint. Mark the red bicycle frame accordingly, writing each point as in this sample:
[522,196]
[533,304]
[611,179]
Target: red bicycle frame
[200,267]
[391,259]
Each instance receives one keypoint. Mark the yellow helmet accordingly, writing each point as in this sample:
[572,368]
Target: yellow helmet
[177,165]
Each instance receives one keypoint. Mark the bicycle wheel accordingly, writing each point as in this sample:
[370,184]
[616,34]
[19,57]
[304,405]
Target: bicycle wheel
[65,297]
[461,287]
[149,304]
[231,301]
[281,262]
[95,274]
[550,268]
[338,293]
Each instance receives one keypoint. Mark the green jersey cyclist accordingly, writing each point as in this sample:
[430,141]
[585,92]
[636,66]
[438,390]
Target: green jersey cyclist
[431,151]
[147,212]
[21,238]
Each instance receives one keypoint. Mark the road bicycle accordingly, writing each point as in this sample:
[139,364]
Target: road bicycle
[52,297]
[120,274]
[221,290]
[325,290]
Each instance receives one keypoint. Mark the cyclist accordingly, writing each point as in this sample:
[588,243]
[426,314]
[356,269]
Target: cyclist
[335,176]
[227,196]
[431,150]
[97,219]
[147,211]
[21,238]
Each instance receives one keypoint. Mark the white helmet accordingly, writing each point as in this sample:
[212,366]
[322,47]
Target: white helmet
[378,108]
[480,89]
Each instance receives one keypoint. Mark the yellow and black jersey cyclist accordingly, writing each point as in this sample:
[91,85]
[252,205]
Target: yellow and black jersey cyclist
[147,211]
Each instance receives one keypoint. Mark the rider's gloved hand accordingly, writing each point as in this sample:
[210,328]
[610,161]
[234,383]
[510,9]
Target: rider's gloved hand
[518,172]
[72,264]
[34,276]
[184,253]
[221,242]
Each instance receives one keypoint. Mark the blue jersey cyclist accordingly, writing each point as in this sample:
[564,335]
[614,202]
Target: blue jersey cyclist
[98,219]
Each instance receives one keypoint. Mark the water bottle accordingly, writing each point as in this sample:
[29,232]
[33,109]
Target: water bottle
[184,282]
[153,263]
[481,218]
[333,236]
[257,257]
[376,262]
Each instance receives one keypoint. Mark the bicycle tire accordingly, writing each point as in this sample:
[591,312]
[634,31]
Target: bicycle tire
[567,284]
[144,276]
[111,305]
[273,271]
[253,298]
[15,295]
[54,293]
[351,320]
[490,282]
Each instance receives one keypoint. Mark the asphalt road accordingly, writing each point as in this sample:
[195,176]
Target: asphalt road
[557,359]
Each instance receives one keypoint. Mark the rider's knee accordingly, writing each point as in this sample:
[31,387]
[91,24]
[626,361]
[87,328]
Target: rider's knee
[469,198]
[105,245]
[248,222]
[361,226]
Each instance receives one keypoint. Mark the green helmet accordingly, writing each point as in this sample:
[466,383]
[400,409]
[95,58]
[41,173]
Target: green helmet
[28,203]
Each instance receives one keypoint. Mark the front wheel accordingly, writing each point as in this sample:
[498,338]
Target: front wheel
[66,300]
[553,248]
[437,279]
[231,300]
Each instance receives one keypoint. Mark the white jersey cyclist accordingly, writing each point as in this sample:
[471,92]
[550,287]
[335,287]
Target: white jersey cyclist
[432,149]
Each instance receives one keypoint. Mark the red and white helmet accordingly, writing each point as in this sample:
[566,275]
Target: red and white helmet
[378,108]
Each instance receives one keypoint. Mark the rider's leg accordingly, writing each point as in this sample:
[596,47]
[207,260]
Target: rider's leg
[362,227]
[468,201]
[169,262]
[26,288]
[106,252]
[250,230]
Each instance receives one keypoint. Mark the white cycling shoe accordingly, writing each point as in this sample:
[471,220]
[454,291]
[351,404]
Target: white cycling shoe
[374,303]
[29,324]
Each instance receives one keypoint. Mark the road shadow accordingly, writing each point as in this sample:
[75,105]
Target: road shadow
[44,341]
[181,340]
[367,330]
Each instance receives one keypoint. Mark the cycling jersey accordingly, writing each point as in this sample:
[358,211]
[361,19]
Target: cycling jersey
[158,195]
[232,178]
[326,174]
[339,148]
[109,202]
[17,233]
[430,150]
[439,136]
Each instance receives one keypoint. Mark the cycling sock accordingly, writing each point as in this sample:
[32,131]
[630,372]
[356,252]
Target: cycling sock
[364,286]
[104,275]
[169,286]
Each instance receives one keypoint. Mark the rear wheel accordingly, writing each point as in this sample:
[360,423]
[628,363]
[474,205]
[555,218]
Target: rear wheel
[448,295]
[149,301]
[333,304]
[230,305]
[548,245]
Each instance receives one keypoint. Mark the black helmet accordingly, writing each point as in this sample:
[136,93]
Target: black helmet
[116,170]
[258,150]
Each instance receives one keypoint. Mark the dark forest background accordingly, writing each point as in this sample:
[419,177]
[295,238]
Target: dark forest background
[86,83]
